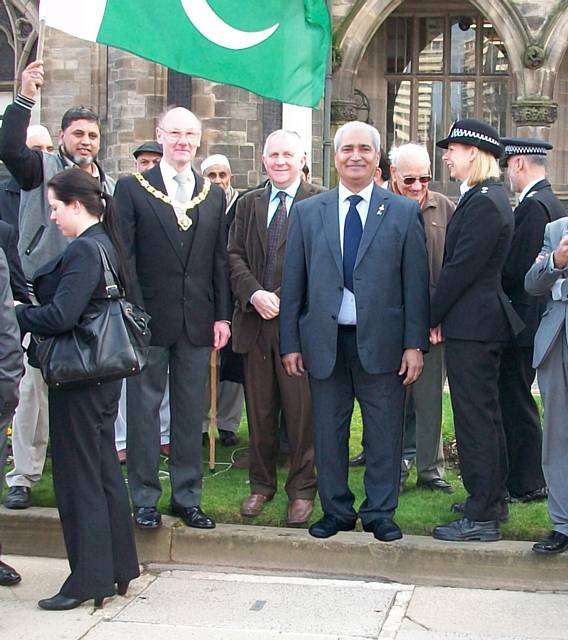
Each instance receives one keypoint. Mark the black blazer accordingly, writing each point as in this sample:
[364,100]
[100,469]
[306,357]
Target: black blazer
[68,286]
[182,288]
[539,207]
[469,300]
[10,202]
[9,242]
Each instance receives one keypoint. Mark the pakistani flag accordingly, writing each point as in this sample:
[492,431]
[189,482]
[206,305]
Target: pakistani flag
[275,48]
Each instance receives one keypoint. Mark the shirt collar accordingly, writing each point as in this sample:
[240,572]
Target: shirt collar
[526,190]
[289,191]
[169,172]
[464,187]
[365,193]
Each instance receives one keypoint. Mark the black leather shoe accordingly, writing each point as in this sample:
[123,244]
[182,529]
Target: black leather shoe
[122,587]
[358,461]
[193,517]
[330,525]
[18,498]
[530,496]
[437,484]
[384,529]
[147,517]
[555,542]
[8,576]
[60,602]
[459,507]
[465,530]
[228,438]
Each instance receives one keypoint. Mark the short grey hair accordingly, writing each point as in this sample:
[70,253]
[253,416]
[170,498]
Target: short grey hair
[286,133]
[537,161]
[397,154]
[357,124]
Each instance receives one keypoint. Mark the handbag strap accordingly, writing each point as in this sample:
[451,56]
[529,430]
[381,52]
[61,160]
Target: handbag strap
[112,282]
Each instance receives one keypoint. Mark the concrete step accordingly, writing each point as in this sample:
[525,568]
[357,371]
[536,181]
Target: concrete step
[414,559]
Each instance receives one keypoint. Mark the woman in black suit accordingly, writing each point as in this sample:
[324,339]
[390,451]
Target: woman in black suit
[89,488]
[471,312]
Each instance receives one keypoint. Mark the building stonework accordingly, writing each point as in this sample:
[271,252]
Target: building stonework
[129,93]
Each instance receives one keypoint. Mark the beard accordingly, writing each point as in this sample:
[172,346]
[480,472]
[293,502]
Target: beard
[80,161]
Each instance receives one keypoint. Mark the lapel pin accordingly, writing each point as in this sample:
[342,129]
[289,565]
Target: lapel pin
[381,210]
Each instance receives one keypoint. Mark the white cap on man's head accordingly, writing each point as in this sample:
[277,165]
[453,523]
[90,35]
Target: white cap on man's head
[216,158]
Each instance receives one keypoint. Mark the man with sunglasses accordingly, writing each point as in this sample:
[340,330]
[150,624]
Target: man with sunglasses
[174,229]
[410,177]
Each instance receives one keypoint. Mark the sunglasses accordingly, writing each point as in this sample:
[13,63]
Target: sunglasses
[408,180]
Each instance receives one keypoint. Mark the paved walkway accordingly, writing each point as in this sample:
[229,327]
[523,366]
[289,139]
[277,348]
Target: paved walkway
[185,603]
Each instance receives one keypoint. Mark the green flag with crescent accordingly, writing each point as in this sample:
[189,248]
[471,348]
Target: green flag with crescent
[277,49]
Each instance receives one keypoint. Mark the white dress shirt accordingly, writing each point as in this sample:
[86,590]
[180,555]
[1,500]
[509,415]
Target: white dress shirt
[348,310]
[527,189]
[169,173]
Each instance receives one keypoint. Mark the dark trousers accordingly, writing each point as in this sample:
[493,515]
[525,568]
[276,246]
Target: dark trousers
[90,491]
[381,397]
[268,392]
[473,374]
[521,421]
[189,368]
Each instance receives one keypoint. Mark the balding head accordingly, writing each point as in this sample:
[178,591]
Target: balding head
[179,133]
[39,138]
[410,171]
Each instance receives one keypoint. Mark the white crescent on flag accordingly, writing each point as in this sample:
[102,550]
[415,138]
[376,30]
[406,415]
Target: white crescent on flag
[210,25]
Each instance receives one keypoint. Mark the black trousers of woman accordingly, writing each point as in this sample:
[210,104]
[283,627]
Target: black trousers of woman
[90,491]
[473,374]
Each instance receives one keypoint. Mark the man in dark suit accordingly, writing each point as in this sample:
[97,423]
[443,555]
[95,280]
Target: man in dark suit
[174,230]
[257,243]
[354,314]
[526,169]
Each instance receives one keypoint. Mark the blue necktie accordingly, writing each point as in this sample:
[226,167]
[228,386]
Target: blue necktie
[352,233]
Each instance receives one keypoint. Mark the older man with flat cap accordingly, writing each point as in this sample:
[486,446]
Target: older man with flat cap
[525,159]
[148,155]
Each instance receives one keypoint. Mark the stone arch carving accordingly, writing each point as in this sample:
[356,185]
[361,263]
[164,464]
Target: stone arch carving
[555,44]
[373,13]
[24,22]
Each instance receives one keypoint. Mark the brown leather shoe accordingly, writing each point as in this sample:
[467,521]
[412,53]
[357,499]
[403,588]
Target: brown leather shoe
[254,504]
[299,510]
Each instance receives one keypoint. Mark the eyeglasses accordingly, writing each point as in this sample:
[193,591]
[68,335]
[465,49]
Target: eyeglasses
[176,136]
[408,180]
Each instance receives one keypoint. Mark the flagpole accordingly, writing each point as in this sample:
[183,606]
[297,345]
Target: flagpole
[327,114]
[40,40]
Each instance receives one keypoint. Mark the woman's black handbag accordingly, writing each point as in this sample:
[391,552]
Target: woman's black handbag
[107,344]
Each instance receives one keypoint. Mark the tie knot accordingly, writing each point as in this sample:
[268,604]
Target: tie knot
[181,178]
[354,200]
[282,196]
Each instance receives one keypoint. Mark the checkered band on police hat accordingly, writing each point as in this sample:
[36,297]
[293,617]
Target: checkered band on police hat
[526,147]
[474,133]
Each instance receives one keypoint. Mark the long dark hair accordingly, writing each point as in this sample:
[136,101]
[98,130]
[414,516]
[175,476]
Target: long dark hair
[74,185]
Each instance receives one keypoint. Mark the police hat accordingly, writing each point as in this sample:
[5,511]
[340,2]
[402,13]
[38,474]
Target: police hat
[474,133]
[525,147]
[149,147]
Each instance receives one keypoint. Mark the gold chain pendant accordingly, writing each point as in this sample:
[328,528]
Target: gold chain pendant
[183,220]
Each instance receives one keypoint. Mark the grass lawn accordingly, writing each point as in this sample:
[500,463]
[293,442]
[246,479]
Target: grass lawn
[418,512]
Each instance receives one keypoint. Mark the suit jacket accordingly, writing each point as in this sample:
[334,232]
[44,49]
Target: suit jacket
[469,300]
[390,281]
[183,288]
[11,355]
[9,243]
[68,286]
[436,212]
[539,207]
[247,255]
[539,281]
[10,202]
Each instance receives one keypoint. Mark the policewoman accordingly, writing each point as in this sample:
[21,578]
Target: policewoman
[472,314]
